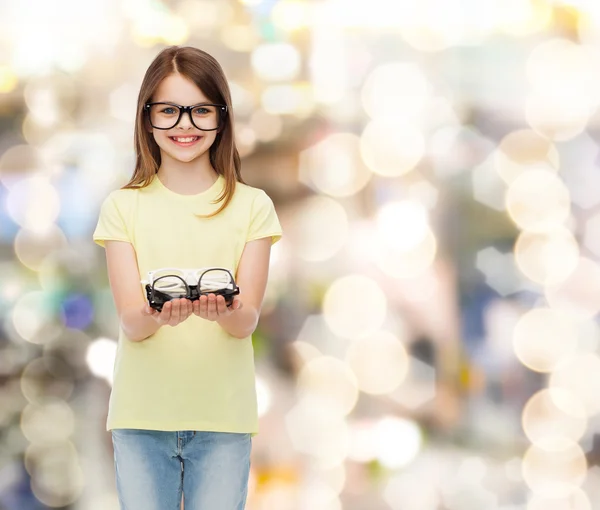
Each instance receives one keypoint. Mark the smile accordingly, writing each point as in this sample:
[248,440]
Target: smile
[184,140]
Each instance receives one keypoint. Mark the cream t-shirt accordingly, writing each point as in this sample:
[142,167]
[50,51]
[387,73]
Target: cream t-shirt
[193,376]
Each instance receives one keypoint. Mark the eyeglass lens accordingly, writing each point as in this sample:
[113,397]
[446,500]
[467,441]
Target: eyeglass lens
[166,116]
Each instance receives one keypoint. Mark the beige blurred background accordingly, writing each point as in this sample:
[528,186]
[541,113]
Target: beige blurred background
[429,339]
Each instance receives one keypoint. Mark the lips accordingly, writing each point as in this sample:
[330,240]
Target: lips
[184,141]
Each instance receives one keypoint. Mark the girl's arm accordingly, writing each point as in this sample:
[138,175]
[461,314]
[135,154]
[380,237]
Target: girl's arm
[137,319]
[241,321]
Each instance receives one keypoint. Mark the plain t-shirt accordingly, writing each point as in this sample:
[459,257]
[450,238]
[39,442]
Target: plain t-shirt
[193,376]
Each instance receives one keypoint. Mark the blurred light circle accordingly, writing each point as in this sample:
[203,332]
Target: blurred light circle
[31,248]
[52,422]
[31,313]
[538,200]
[245,138]
[71,346]
[317,429]
[543,337]
[46,378]
[77,311]
[558,120]
[8,80]
[354,307]
[320,228]
[404,435]
[454,148]
[266,126]
[362,441]
[264,396]
[579,375]
[579,293]
[329,380]
[430,33]
[520,150]
[334,165]
[334,477]
[563,70]
[276,61]
[33,203]
[402,225]
[202,15]
[547,258]
[57,479]
[576,499]
[294,99]
[18,162]
[410,491]
[243,38]
[544,420]
[291,14]
[425,39]
[520,19]
[100,358]
[319,495]
[552,472]
[380,363]
[391,147]
[398,90]
[409,263]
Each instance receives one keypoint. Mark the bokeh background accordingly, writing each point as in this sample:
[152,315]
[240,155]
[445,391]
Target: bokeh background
[429,339]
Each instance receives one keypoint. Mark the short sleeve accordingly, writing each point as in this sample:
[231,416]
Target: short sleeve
[111,225]
[264,221]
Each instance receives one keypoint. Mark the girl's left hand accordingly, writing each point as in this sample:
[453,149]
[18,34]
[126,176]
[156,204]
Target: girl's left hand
[213,307]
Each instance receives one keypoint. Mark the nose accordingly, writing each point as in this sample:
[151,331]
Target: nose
[185,122]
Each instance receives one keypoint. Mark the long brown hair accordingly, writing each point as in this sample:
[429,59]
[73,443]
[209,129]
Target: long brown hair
[201,68]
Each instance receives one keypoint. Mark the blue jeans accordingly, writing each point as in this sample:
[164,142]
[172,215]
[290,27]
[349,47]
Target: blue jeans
[154,468]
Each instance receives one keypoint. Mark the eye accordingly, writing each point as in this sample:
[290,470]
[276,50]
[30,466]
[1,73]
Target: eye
[201,110]
[169,110]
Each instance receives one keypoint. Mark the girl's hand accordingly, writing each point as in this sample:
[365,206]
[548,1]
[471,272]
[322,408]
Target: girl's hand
[213,307]
[173,312]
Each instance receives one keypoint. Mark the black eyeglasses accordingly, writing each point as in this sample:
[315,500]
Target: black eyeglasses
[172,283]
[204,116]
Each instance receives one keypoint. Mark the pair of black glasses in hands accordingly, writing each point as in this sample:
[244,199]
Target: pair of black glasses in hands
[166,284]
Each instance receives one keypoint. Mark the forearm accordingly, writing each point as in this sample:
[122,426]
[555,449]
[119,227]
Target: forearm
[136,325]
[240,324]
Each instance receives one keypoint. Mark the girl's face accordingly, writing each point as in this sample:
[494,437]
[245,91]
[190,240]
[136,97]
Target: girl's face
[184,142]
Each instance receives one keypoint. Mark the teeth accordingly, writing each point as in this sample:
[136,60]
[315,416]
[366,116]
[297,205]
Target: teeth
[185,140]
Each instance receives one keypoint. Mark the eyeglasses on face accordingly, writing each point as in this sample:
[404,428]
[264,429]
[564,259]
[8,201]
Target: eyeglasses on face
[204,116]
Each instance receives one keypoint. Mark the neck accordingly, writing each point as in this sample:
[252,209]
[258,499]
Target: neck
[187,178]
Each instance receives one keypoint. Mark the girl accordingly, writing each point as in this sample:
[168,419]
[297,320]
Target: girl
[183,410]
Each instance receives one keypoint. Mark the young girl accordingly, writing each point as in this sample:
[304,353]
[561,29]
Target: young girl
[183,410]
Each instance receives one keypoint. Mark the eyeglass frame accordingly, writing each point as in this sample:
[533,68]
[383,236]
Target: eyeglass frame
[187,109]
[192,292]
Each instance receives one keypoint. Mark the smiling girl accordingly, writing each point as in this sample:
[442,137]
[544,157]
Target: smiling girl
[183,409]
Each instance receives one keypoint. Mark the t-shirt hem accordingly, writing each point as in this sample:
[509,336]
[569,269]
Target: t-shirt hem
[100,240]
[179,426]
[276,236]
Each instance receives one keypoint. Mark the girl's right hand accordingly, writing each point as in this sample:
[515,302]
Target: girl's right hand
[173,312]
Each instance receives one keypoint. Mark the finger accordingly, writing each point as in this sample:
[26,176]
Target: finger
[204,306]
[212,306]
[165,314]
[237,303]
[221,306]
[187,308]
[196,307]
[175,312]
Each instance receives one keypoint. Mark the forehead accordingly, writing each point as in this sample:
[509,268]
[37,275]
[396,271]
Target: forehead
[176,88]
